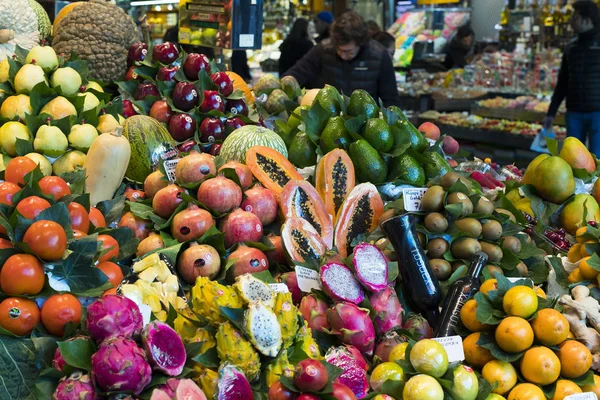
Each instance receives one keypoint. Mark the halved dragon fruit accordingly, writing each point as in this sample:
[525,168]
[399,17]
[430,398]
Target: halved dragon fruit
[354,376]
[252,289]
[164,348]
[77,386]
[113,315]
[233,385]
[357,356]
[339,283]
[313,310]
[353,326]
[263,329]
[371,267]
[178,389]
[388,311]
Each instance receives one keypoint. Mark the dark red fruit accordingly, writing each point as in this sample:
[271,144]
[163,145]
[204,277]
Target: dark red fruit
[310,375]
[215,149]
[128,110]
[248,260]
[166,74]
[182,127]
[166,200]
[220,194]
[279,392]
[593,224]
[222,80]
[211,130]
[131,75]
[161,111]
[231,124]
[237,106]
[193,63]
[191,223]
[342,392]
[137,52]
[291,281]
[185,96]
[144,90]
[241,226]
[165,53]
[187,146]
[306,396]
[212,101]
[140,227]
[261,202]
[242,171]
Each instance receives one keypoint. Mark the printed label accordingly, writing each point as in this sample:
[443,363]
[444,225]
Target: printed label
[279,287]
[247,40]
[453,346]
[170,166]
[582,396]
[307,279]
[431,141]
[412,198]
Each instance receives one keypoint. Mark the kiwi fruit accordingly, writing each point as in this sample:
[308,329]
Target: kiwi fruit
[512,243]
[441,268]
[458,197]
[437,247]
[436,223]
[491,230]
[484,206]
[470,226]
[510,215]
[493,251]
[450,179]
[522,268]
[433,199]
[493,269]
[465,248]
[457,264]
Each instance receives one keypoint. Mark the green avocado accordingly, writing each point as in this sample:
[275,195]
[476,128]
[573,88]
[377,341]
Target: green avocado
[417,140]
[361,103]
[377,132]
[368,164]
[293,121]
[436,165]
[335,135]
[397,112]
[407,169]
[329,98]
[302,152]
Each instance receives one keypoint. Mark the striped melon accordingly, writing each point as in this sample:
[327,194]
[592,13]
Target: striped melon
[235,145]
[44,25]
[150,143]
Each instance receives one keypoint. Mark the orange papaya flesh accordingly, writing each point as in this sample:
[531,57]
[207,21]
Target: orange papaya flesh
[271,168]
[301,241]
[334,180]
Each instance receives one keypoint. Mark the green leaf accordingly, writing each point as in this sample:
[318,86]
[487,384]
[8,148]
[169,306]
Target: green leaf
[594,262]
[265,276]
[209,358]
[315,119]
[171,252]
[485,310]
[112,209]
[552,146]
[144,211]
[40,95]
[529,250]
[23,147]
[78,353]
[57,213]
[129,87]
[559,270]
[81,66]
[46,383]
[76,180]
[585,379]
[234,315]
[455,209]
[508,205]
[127,242]
[401,141]
[21,53]
[487,341]
[18,368]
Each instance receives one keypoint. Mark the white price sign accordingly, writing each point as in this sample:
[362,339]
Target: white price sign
[412,198]
[170,166]
[453,346]
[307,279]
[279,287]
[582,396]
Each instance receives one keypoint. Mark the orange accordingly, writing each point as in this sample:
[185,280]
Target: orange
[96,218]
[58,310]
[565,388]
[468,316]
[595,387]
[514,334]
[22,274]
[19,316]
[520,301]
[587,272]
[112,271]
[500,373]
[540,365]
[570,335]
[475,355]
[47,240]
[550,327]
[526,391]
[574,253]
[110,248]
[581,231]
[583,250]
[575,359]
[575,276]
[17,168]
[111,291]
[488,286]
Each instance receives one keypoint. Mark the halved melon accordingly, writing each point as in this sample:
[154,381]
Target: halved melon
[271,168]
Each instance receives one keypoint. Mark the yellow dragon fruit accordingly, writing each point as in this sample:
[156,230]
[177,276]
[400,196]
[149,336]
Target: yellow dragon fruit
[208,295]
[234,348]
[287,315]
[185,327]
[281,366]
[207,379]
[203,336]
[309,346]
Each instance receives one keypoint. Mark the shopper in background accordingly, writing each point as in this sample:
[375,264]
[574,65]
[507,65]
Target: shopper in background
[349,60]
[459,48]
[388,41]
[295,46]
[579,78]
[323,21]
[373,28]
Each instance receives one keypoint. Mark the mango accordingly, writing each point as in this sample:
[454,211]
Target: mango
[530,171]
[553,179]
[578,212]
[577,155]
[525,206]
[596,190]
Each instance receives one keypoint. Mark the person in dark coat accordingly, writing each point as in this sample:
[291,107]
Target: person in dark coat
[459,48]
[387,40]
[295,46]
[579,78]
[349,60]
[322,23]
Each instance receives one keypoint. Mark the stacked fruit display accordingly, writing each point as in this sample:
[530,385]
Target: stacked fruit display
[279,94]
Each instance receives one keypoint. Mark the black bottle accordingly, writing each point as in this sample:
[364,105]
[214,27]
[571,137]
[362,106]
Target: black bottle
[458,293]
[418,280]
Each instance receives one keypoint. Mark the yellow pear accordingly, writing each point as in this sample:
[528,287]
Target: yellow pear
[16,106]
[4,70]
[50,141]
[91,101]
[59,107]
[27,77]
[82,136]
[107,123]
[44,56]
[42,161]
[68,79]
[95,86]
[9,132]
[68,162]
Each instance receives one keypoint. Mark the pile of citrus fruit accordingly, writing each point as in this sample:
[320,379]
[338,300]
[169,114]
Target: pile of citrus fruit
[581,252]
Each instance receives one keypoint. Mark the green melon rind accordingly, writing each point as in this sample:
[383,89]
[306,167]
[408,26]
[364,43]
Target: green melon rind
[239,141]
[44,25]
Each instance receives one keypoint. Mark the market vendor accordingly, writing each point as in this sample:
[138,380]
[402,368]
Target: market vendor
[579,78]
[349,60]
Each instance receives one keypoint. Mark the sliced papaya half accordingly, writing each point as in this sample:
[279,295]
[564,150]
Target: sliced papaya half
[334,180]
[300,199]
[301,241]
[271,168]
[359,215]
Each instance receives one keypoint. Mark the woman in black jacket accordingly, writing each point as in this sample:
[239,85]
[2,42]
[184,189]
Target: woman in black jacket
[295,46]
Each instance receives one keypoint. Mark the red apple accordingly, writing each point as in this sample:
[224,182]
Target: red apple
[193,63]
[237,106]
[215,149]
[165,53]
[430,130]
[212,101]
[137,52]
[128,109]
[186,146]
[231,124]
[144,90]
[222,80]
[182,127]
[161,111]
[211,130]
[185,96]
[166,73]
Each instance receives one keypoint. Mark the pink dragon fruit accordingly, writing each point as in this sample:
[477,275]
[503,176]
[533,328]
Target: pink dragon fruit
[75,387]
[354,376]
[179,389]
[164,348]
[339,283]
[388,311]
[313,310]
[113,315]
[371,267]
[233,384]
[419,325]
[386,344]
[120,365]
[289,278]
[58,362]
[353,326]
[358,357]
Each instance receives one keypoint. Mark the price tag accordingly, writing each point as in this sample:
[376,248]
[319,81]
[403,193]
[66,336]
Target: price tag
[453,346]
[431,141]
[307,279]
[412,198]
[170,166]
[146,312]
[279,287]
[582,396]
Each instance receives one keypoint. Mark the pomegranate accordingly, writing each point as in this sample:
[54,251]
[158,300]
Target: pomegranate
[248,261]
[261,202]
[243,172]
[154,182]
[241,226]
[342,392]
[310,375]
[220,194]
[279,392]
[276,255]
[140,227]
[191,223]
[151,243]
[195,167]
[132,194]
[166,200]
[198,260]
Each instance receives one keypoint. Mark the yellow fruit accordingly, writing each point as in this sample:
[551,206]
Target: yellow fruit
[587,272]
[583,251]
[475,355]
[577,155]
[500,373]
[526,391]
[579,233]
[16,106]
[9,132]
[468,316]
[540,365]
[593,388]
[575,359]
[565,388]
[494,396]
[530,172]
[574,254]
[429,357]
[488,286]
[550,327]
[422,387]
[578,211]
[59,107]
[575,276]
[514,334]
[570,335]
[387,371]
[554,181]
[520,301]
[540,292]
[398,352]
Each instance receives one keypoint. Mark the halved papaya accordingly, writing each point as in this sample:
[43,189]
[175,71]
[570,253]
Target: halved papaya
[301,241]
[334,180]
[359,215]
[300,199]
[271,168]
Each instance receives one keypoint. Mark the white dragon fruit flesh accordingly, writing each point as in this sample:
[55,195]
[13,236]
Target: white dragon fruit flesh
[339,283]
[371,267]
[263,330]
[252,289]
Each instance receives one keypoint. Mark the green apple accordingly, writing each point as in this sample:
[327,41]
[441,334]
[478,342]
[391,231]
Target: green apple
[50,141]
[94,85]
[42,161]
[4,70]
[9,132]
[44,56]
[68,162]
[82,136]
[27,77]
[91,101]
[68,79]
[59,107]
[16,106]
